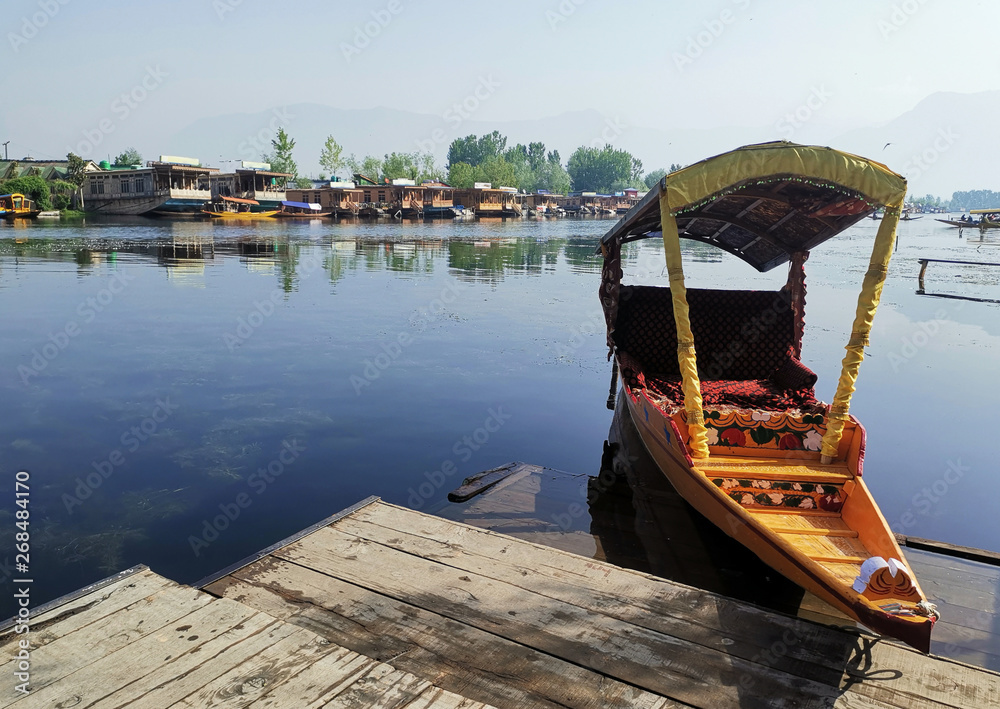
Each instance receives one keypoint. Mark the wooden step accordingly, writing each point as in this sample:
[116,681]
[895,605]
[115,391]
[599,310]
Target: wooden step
[789,470]
[850,533]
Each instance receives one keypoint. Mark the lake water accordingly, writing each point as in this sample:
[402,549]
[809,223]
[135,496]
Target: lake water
[184,394]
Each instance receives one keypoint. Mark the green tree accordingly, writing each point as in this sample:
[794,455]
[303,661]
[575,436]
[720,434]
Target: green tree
[131,156]
[76,174]
[33,187]
[281,155]
[476,151]
[653,177]
[330,157]
[401,165]
[603,169]
[497,171]
[461,175]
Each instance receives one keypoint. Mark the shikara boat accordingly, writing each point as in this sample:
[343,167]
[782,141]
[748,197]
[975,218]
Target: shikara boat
[17,206]
[715,383]
[983,223]
[301,210]
[236,208]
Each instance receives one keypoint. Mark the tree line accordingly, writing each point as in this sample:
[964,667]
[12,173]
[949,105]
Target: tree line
[485,158]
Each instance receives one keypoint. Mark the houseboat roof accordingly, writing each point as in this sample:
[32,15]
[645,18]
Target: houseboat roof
[764,202]
[265,173]
[302,205]
[238,200]
[181,168]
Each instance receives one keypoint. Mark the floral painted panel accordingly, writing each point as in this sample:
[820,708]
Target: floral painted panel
[768,493]
[774,430]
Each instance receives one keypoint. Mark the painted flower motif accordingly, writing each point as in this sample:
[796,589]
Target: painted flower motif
[762,484]
[807,504]
[776,498]
[747,499]
[713,436]
[797,487]
[813,441]
[734,437]
[789,442]
[831,503]
[729,483]
[758,415]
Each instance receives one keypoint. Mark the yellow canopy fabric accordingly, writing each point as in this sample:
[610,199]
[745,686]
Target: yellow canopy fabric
[697,434]
[704,179]
[868,299]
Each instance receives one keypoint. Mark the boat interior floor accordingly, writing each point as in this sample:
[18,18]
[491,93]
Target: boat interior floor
[799,500]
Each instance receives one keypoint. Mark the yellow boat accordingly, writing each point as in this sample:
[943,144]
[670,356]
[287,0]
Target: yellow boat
[17,206]
[235,208]
[714,381]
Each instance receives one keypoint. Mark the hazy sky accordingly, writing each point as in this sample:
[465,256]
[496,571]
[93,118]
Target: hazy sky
[83,70]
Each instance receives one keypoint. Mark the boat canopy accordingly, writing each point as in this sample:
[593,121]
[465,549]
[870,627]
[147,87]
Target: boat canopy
[984,211]
[765,202]
[302,205]
[239,200]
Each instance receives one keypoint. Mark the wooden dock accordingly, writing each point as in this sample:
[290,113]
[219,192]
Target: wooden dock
[386,607]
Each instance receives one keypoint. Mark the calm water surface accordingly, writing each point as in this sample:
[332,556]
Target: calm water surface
[184,394]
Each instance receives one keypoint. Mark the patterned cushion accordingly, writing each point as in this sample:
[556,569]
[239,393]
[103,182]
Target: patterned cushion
[738,335]
[792,374]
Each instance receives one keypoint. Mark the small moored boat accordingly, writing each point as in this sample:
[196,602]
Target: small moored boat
[301,210]
[17,206]
[235,208]
[715,383]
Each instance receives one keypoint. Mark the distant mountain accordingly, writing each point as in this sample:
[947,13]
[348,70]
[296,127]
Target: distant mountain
[941,145]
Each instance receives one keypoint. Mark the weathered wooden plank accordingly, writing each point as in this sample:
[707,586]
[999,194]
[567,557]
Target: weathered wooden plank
[454,656]
[656,662]
[983,556]
[515,561]
[481,482]
[437,698]
[91,608]
[671,609]
[68,653]
[244,643]
[121,677]
[320,682]
[382,686]
[262,672]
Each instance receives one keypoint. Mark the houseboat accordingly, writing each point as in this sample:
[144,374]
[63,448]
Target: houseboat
[251,180]
[170,186]
[340,198]
[488,201]
[439,200]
